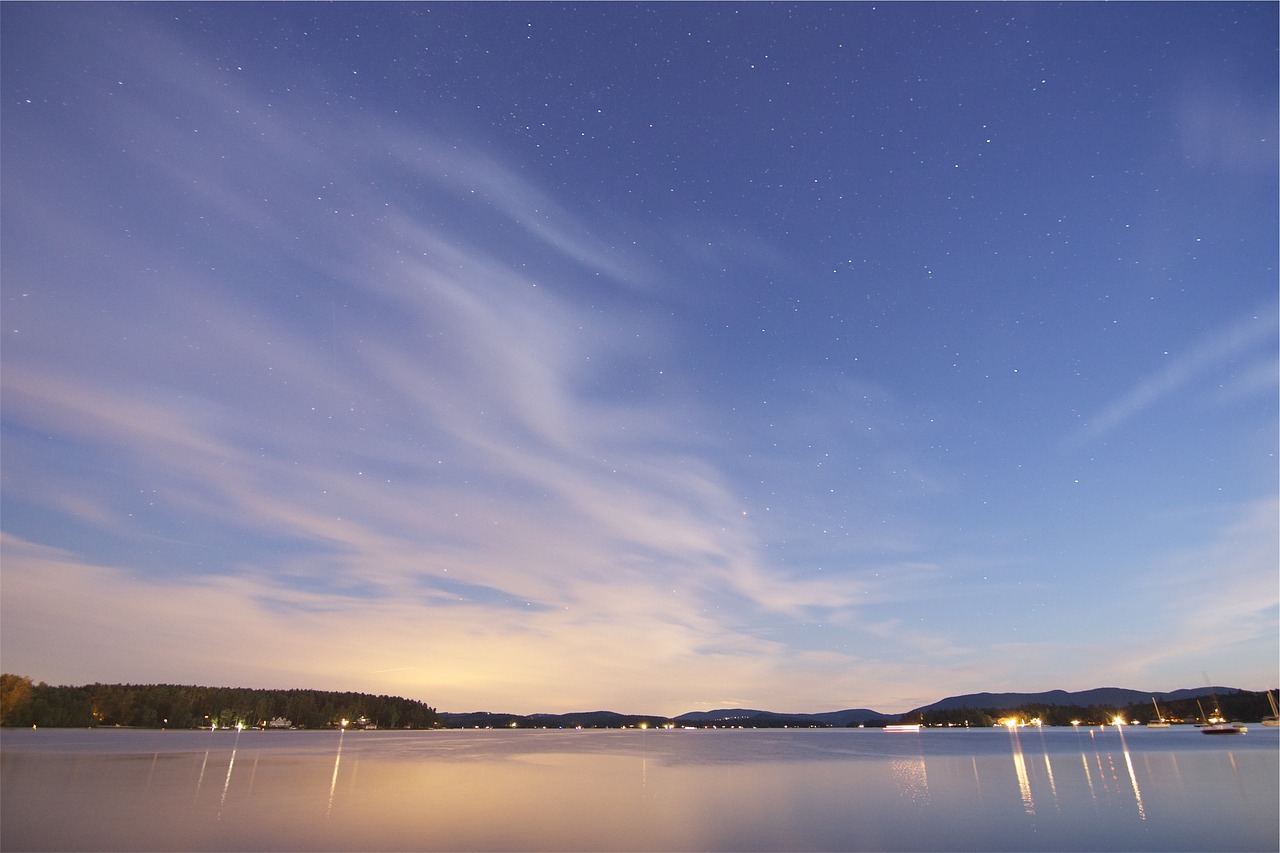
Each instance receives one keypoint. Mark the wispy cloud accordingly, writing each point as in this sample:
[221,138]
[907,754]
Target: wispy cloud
[406,439]
[1243,339]
[1219,129]
[643,650]
[389,406]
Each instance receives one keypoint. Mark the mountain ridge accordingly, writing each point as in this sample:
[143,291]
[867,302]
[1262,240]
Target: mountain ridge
[758,718]
[1095,696]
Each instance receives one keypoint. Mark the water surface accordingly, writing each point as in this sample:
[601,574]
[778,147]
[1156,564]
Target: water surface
[838,789]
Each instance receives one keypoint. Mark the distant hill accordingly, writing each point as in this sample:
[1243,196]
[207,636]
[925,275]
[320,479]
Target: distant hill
[612,720]
[1115,698]
[853,717]
[773,719]
[721,714]
[1110,696]
[584,719]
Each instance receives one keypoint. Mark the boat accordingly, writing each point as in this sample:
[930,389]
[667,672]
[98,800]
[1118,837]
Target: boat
[1274,719]
[1216,725]
[903,727]
[1159,722]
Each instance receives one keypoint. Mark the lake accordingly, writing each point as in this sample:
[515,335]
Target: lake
[724,789]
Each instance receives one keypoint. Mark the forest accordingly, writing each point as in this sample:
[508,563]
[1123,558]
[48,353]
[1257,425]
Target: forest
[27,703]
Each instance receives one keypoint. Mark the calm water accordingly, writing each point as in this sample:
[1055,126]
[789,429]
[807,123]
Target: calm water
[988,789]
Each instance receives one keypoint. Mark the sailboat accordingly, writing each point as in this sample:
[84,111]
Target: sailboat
[1274,719]
[1216,725]
[1159,722]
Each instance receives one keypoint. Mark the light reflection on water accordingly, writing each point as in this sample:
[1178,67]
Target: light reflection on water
[333,783]
[640,790]
[1133,777]
[912,778]
[1020,768]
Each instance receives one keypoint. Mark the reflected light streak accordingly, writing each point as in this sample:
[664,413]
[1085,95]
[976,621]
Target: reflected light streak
[1020,767]
[333,783]
[226,785]
[1088,777]
[1048,769]
[203,765]
[1111,765]
[1133,777]
[1084,759]
[231,766]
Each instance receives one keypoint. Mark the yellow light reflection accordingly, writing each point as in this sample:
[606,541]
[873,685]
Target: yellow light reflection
[1088,777]
[337,760]
[226,784]
[203,765]
[1048,769]
[1133,777]
[1020,768]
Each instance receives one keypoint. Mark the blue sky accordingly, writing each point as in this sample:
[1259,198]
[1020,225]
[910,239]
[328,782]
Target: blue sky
[651,358]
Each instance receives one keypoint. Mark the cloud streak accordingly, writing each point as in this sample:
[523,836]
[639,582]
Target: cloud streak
[299,391]
[1245,337]
[491,483]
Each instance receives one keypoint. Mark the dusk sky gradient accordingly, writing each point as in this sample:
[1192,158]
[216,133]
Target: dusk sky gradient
[650,358]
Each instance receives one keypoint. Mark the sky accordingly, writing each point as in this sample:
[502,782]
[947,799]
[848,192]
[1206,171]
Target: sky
[650,358]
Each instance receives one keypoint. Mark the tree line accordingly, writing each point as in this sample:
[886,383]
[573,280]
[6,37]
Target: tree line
[27,703]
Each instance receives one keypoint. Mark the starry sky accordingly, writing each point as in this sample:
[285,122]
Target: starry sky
[649,358]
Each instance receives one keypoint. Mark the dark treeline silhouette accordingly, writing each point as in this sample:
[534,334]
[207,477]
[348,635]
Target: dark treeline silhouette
[24,703]
[1244,705]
